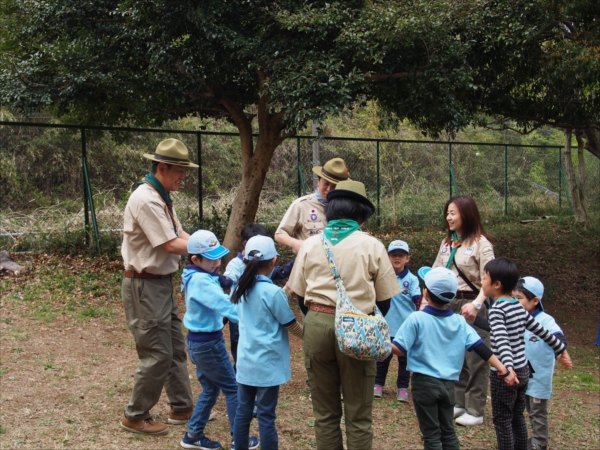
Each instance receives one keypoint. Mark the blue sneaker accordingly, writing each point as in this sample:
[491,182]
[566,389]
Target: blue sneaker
[252,443]
[200,442]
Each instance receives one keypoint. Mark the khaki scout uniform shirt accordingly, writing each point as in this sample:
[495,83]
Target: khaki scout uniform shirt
[471,258]
[147,225]
[304,218]
[364,267]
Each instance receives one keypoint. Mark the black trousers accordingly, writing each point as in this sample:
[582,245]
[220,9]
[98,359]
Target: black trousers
[508,405]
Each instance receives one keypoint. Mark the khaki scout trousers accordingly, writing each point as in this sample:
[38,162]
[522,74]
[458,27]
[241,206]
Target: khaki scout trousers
[472,387]
[152,316]
[327,369]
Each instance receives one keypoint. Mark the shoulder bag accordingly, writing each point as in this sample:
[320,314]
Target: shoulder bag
[359,335]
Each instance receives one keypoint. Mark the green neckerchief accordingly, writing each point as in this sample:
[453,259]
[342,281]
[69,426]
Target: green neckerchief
[153,181]
[456,242]
[338,230]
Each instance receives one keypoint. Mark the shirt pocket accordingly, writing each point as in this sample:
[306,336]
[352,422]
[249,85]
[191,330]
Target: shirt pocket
[312,227]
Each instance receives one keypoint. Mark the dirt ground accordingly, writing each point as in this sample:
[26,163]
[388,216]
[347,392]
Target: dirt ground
[66,375]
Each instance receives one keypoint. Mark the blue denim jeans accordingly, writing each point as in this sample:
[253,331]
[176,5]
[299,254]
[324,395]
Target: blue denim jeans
[267,402]
[215,374]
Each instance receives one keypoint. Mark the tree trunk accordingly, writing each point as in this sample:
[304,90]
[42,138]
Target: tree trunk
[582,179]
[577,194]
[255,164]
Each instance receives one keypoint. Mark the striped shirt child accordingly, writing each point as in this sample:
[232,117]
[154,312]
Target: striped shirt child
[508,321]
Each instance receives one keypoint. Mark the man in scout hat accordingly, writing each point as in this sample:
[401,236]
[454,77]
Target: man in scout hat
[153,241]
[306,215]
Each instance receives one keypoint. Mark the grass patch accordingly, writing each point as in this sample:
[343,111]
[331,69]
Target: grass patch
[96,311]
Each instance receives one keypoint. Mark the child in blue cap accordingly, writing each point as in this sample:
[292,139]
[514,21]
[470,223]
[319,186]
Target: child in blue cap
[264,350]
[402,304]
[206,306]
[529,293]
[234,271]
[435,341]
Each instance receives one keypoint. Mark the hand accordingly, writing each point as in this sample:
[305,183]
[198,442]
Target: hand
[469,312]
[511,379]
[565,360]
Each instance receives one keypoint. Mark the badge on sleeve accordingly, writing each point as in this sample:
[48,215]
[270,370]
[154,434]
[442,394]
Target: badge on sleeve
[469,251]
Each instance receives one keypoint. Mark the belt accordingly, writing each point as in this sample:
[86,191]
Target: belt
[133,274]
[467,295]
[322,308]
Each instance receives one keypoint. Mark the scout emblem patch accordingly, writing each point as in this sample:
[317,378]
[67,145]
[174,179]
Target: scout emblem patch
[445,248]
[313,215]
[469,251]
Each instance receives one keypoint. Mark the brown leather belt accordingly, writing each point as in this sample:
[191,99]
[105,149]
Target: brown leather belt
[322,308]
[132,274]
[467,295]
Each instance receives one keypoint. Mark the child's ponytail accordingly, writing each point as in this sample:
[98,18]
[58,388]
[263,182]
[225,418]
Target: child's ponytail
[248,278]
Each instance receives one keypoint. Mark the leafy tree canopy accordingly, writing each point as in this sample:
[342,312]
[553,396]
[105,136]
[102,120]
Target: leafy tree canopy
[441,64]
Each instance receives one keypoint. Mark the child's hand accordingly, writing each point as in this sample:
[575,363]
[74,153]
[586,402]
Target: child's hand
[511,379]
[565,360]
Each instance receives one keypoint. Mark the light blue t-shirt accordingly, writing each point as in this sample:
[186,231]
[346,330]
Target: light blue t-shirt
[205,302]
[402,304]
[541,356]
[435,341]
[234,270]
[264,348]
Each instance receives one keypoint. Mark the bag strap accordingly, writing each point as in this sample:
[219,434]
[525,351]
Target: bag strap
[466,280]
[470,284]
[330,260]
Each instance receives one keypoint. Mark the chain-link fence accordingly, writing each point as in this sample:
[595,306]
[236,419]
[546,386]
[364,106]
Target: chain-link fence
[57,179]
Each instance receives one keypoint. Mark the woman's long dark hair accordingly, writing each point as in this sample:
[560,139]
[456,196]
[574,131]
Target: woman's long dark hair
[472,229]
[248,278]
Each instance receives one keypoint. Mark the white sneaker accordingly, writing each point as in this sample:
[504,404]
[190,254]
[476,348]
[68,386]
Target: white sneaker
[459,412]
[467,420]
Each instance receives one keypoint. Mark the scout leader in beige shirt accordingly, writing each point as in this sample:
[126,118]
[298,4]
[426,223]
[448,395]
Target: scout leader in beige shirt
[306,215]
[153,241]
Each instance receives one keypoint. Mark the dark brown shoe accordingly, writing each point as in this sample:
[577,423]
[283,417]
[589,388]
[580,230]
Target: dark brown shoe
[179,418]
[147,426]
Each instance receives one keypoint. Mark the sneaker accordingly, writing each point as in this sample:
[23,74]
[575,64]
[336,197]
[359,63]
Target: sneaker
[200,442]
[179,418]
[459,412]
[213,416]
[378,391]
[147,426]
[341,393]
[467,420]
[403,395]
[252,443]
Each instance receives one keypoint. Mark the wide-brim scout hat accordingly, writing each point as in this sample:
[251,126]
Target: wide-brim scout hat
[334,171]
[171,151]
[351,189]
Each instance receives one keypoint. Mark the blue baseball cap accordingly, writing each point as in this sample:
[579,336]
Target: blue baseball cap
[205,243]
[263,245]
[534,286]
[440,281]
[398,245]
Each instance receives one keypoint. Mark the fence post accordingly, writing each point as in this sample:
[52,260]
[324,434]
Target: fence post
[505,180]
[559,177]
[199,158]
[86,218]
[450,167]
[89,196]
[299,167]
[378,189]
